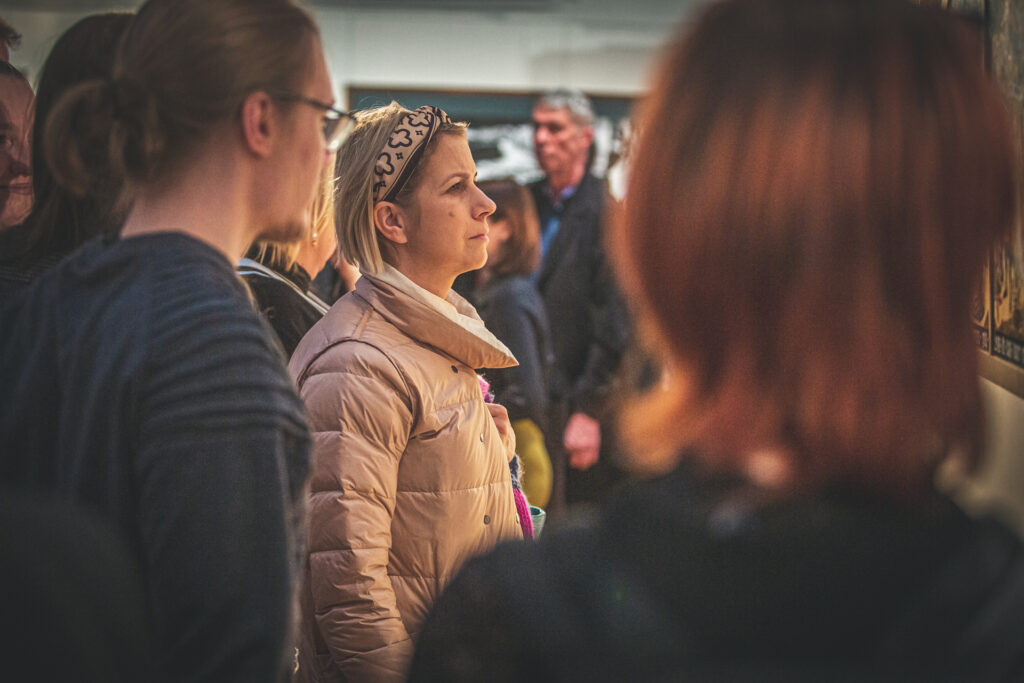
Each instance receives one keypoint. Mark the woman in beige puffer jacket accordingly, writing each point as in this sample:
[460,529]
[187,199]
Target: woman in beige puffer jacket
[410,473]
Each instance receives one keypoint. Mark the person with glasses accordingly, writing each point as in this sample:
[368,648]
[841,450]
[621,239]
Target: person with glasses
[410,474]
[337,124]
[59,220]
[17,104]
[136,378]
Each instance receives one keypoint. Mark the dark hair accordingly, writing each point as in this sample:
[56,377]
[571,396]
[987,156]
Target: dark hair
[7,69]
[60,221]
[8,35]
[183,67]
[521,252]
[814,193]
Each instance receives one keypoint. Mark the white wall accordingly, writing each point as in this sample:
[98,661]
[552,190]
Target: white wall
[602,46]
[999,486]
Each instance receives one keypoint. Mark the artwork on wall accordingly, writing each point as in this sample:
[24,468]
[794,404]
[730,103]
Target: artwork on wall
[1007,296]
[500,132]
[998,307]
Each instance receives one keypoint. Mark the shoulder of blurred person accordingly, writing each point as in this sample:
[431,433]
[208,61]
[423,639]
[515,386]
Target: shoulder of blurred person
[283,299]
[514,311]
[697,577]
[585,205]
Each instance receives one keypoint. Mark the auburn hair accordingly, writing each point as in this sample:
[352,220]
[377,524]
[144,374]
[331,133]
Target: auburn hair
[814,193]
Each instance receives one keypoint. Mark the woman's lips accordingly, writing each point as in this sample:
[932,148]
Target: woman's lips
[18,188]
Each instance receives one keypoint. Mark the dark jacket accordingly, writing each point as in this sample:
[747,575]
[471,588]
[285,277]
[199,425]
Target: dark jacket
[589,324]
[512,309]
[17,268]
[284,300]
[691,579]
[138,381]
[73,598]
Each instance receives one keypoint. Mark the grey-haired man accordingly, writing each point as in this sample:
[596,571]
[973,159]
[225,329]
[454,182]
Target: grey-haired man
[589,327]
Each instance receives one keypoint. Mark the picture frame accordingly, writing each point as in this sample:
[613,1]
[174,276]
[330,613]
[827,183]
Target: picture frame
[999,309]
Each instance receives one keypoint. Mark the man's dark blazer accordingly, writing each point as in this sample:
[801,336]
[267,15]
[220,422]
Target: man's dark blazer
[589,324]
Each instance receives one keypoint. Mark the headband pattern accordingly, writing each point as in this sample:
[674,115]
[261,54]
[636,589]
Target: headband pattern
[404,149]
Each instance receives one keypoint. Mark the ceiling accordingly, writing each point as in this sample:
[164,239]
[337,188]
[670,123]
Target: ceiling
[469,5]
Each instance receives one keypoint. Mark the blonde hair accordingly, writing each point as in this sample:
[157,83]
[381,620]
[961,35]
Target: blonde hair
[282,255]
[358,240]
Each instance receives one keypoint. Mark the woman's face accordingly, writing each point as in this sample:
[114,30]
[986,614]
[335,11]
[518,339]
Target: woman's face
[15,150]
[447,228]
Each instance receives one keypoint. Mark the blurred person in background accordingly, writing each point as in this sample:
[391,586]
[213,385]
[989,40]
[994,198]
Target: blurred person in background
[512,309]
[589,325]
[59,220]
[410,474]
[336,278]
[16,107]
[137,379]
[278,273]
[815,190]
[9,40]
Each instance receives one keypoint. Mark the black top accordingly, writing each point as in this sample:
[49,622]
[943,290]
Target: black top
[72,595]
[692,579]
[284,300]
[512,309]
[138,380]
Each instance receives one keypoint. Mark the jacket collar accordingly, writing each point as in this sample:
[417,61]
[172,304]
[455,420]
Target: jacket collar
[587,197]
[450,325]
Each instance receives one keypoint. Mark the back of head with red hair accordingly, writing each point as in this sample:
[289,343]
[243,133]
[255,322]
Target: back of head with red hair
[812,199]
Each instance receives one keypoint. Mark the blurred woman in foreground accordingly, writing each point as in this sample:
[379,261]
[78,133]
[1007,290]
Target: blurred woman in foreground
[814,192]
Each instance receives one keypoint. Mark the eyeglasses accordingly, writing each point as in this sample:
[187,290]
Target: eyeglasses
[337,124]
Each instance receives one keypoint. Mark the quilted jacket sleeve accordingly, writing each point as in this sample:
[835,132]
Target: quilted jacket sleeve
[361,417]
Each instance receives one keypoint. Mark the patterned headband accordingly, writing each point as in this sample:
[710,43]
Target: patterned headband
[404,149]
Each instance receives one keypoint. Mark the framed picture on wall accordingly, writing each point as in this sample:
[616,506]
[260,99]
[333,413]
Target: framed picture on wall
[1003,361]
[998,310]
[501,131]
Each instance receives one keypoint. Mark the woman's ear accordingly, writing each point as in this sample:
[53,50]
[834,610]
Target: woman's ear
[390,221]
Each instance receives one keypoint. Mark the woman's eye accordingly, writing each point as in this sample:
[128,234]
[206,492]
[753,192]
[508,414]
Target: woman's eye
[457,187]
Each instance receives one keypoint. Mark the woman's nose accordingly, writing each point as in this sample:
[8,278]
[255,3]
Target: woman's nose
[20,165]
[21,160]
[485,206]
